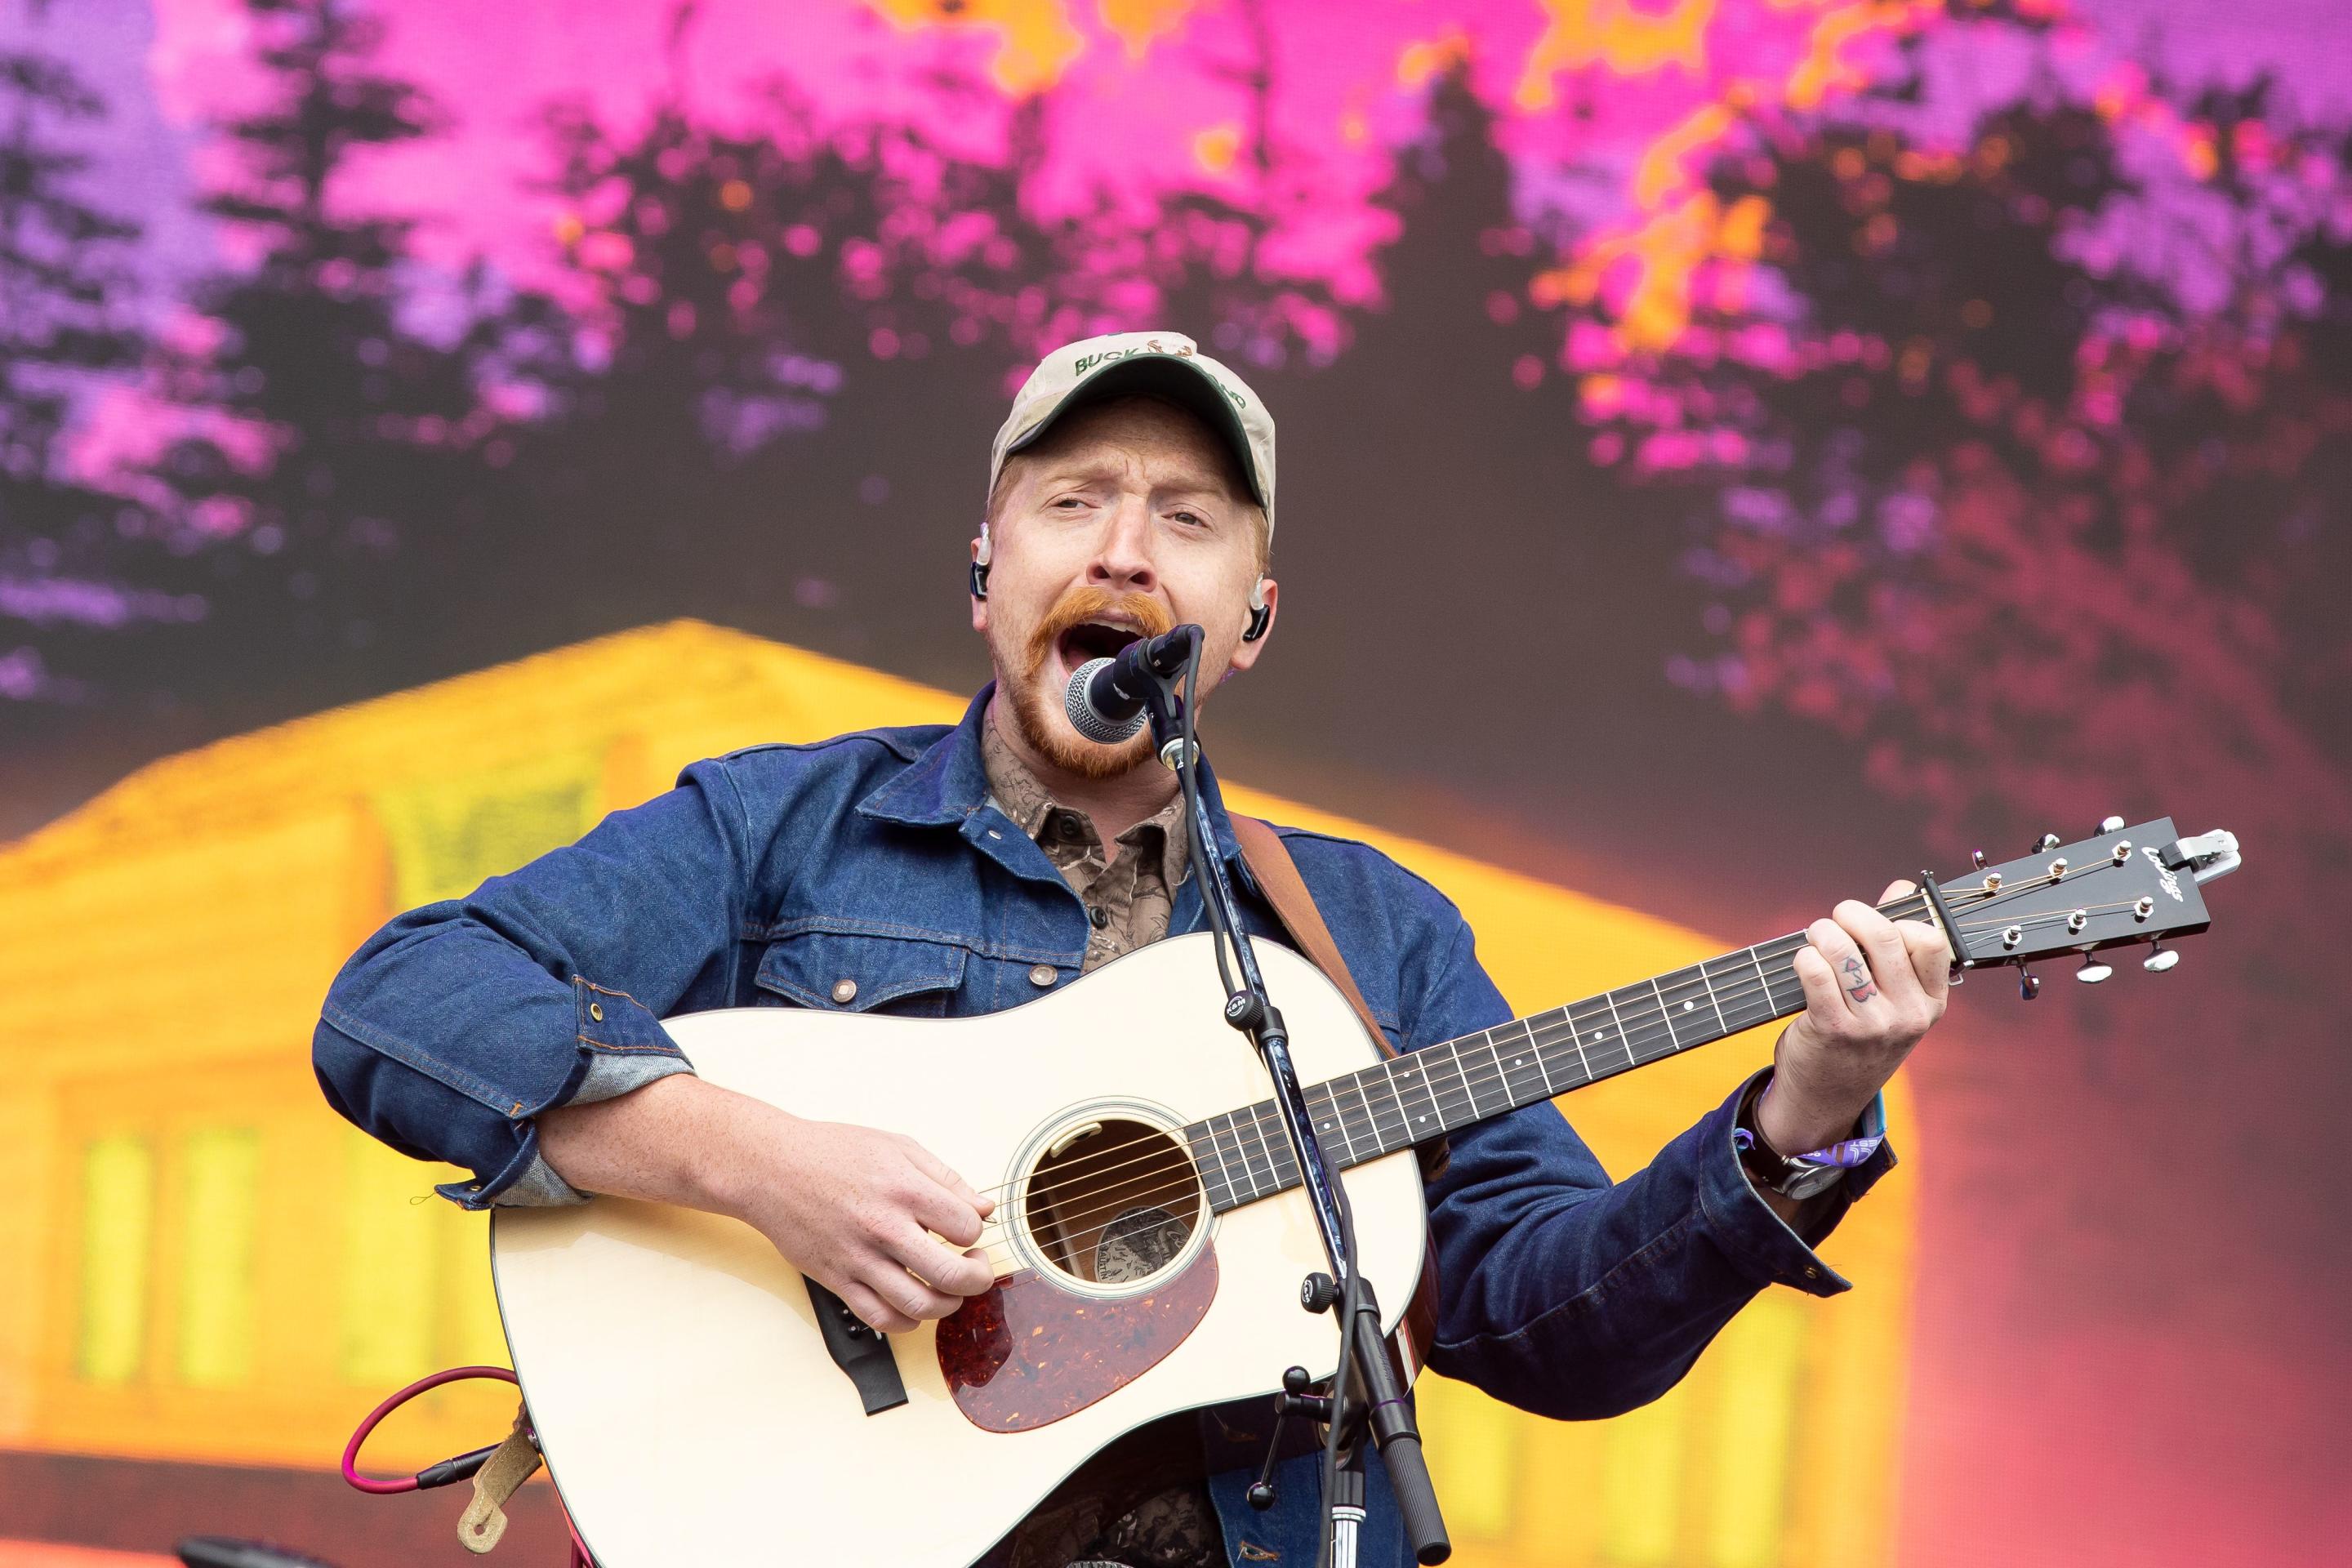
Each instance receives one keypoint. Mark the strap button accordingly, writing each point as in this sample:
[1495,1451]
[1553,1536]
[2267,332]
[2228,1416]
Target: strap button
[1042,977]
[845,992]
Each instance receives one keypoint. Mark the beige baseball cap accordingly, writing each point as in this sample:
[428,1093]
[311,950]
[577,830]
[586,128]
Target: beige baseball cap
[1159,365]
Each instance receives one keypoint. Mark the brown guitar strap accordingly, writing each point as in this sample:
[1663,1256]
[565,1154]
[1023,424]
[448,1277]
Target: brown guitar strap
[1286,890]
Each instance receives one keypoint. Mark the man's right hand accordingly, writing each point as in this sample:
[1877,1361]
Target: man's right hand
[860,1211]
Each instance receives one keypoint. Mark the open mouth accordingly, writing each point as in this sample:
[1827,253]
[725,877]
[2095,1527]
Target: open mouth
[1094,640]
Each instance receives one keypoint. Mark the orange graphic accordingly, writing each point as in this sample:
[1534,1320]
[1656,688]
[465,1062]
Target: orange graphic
[1667,250]
[1141,23]
[1618,34]
[1036,42]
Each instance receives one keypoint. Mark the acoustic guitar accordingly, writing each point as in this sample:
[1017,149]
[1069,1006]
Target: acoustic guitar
[700,1405]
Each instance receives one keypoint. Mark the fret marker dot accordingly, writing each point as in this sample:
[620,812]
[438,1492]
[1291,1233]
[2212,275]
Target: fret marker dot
[1688,1005]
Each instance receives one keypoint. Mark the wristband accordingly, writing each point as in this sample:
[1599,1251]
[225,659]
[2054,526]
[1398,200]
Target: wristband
[1803,1176]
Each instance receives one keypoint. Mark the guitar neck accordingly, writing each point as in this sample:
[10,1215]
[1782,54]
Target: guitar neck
[1245,1155]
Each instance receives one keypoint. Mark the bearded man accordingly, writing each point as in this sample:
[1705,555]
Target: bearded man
[955,872]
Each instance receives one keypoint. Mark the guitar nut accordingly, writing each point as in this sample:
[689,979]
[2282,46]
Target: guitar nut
[2012,936]
[2144,908]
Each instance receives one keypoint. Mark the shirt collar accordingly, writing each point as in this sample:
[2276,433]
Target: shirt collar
[1017,792]
[1022,795]
[949,782]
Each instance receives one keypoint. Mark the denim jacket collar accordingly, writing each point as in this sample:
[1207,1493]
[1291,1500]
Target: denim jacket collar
[945,785]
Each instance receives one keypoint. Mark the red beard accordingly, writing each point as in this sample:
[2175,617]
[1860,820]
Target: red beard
[1037,711]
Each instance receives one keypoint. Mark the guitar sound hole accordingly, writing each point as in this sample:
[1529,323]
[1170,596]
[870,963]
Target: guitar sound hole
[1114,1205]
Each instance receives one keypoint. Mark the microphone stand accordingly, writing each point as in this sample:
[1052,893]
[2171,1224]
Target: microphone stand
[1373,1400]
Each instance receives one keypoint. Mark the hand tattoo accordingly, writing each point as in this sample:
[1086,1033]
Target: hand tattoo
[1858,984]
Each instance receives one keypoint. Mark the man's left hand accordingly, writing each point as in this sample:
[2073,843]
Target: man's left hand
[1873,986]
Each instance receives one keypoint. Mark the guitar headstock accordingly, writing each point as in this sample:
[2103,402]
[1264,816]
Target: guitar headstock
[2122,885]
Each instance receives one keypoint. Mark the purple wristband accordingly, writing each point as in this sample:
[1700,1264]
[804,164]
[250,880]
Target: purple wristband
[1847,1154]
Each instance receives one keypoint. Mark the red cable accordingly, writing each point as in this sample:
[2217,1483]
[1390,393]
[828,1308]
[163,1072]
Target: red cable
[422,1385]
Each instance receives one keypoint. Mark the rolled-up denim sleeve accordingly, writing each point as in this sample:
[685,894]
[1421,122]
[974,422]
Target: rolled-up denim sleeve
[1575,1297]
[458,1022]
[608,1077]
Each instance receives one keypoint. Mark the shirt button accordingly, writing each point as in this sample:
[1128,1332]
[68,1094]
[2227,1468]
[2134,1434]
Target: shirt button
[845,991]
[1042,977]
[1100,917]
[596,1011]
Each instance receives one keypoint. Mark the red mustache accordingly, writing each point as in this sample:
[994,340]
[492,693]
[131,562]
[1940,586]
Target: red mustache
[1079,605]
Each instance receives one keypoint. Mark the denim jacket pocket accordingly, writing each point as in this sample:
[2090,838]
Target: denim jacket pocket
[846,971]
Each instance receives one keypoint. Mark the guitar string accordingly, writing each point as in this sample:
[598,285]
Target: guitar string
[1643,1016]
[1181,1174]
[1177,1177]
[1183,1178]
[1653,1016]
[1647,1014]
[1176,1173]
[1646,1018]
[1254,1141]
[2047,916]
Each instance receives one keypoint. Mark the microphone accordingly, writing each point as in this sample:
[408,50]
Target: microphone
[1104,697]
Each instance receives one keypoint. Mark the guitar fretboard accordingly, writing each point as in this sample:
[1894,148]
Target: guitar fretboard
[1245,1155]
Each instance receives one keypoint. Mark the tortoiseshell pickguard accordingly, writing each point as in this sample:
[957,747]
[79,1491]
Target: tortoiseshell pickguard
[1029,1352]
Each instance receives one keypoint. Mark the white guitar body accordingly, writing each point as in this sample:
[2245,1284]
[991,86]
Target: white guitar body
[686,1403]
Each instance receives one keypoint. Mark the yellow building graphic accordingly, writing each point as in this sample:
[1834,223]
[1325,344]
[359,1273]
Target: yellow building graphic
[200,1262]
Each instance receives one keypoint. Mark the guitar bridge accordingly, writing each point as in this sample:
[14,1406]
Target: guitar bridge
[860,1351]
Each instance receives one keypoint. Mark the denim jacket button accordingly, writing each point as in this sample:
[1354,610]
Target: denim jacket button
[596,1011]
[845,991]
[1042,977]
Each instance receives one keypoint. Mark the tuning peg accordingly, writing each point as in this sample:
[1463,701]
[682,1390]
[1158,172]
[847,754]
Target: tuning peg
[2160,957]
[2092,972]
[1979,857]
[2110,824]
[2047,841]
[2028,984]
[1957,974]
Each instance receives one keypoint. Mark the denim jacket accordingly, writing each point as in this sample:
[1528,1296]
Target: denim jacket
[767,874]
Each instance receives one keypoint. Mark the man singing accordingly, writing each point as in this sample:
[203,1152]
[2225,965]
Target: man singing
[517,1032]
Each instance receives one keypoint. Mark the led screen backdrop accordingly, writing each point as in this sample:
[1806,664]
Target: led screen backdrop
[1736,452]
